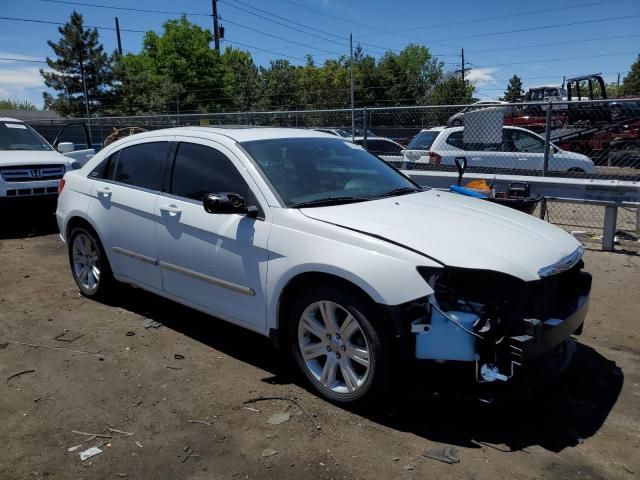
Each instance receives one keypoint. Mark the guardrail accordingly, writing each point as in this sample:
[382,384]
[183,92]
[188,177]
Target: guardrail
[610,194]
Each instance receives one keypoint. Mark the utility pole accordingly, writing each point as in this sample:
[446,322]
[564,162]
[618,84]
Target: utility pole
[618,78]
[462,66]
[216,31]
[118,36]
[353,101]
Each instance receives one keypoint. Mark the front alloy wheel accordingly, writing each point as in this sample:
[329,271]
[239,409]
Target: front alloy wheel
[335,341]
[334,347]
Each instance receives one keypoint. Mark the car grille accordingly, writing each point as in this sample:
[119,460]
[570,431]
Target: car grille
[26,192]
[32,173]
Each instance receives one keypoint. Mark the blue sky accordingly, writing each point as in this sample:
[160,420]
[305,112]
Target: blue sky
[540,41]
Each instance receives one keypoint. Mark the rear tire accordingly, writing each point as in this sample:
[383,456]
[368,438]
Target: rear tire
[89,264]
[338,345]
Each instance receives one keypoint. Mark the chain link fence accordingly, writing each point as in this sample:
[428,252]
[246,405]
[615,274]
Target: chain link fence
[597,139]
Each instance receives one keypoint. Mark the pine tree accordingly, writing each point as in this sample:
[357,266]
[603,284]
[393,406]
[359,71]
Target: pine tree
[79,53]
[514,91]
[631,83]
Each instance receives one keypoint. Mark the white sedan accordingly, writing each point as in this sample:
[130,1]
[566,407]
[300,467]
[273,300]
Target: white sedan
[352,268]
[520,149]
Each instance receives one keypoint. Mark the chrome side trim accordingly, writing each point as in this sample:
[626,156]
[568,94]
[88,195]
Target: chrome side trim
[206,278]
[137,256]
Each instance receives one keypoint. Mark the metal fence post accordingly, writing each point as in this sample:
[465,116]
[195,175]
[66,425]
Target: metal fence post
[547,140]
[610,220]
[364,127]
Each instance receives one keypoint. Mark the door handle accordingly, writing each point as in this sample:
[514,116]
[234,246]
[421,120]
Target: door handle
[170,209]
[104,191]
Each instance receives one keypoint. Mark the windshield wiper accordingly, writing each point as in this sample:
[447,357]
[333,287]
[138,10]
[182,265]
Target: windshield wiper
[321,202]
[398,191]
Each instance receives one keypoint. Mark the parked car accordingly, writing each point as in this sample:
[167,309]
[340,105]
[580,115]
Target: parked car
[457,120]
[520,149]
[338,132]
[384,148]
[30,168]
[355,270]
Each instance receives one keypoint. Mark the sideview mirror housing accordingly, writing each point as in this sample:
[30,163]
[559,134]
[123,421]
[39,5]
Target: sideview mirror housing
[66,147]
[227,203]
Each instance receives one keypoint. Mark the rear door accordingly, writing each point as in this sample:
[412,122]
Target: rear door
[523,150]
[217,262]
[123,209]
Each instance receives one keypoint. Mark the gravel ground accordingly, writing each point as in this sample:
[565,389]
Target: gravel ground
[178,393]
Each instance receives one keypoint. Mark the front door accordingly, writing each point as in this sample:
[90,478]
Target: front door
[214,261]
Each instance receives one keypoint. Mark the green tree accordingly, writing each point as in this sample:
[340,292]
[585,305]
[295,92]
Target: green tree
[451,90]
[514,91]
[78,53]
[240,79]
[8,104]
[279,86]
[175,71]
[408,76]
[631,83]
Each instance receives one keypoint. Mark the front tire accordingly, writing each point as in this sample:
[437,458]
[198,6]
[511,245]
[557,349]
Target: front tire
[89,264]
[337,344]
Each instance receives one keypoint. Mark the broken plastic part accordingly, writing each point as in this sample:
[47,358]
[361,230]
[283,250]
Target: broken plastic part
[490,373]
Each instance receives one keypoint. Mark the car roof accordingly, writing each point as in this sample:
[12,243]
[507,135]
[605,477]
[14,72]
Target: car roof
[456,129]
[240,134]
[9,119]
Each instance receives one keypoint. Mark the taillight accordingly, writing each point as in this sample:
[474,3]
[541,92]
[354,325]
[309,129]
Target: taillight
[434,158]
[61,183]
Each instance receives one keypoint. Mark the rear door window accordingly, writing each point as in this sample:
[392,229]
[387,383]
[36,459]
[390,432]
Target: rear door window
[140,165]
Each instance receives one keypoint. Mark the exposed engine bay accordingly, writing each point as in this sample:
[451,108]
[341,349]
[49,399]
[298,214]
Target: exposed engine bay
[498,321]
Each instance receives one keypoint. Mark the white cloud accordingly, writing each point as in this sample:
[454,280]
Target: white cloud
[481,76]
[21,83]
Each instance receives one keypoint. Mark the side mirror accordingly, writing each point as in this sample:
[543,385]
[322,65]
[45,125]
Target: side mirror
[66,147]
[227,203]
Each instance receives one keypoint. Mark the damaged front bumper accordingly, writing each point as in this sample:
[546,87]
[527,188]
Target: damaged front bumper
[498,326]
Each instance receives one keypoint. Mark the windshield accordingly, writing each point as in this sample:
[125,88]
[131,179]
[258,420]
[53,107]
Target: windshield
[324,171]
[423,140]
[18,136]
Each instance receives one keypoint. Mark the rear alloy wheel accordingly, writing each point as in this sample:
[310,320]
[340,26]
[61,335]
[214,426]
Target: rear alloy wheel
[89,265]
[336,346]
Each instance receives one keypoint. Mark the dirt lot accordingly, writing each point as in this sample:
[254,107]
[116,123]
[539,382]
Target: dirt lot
[180,390]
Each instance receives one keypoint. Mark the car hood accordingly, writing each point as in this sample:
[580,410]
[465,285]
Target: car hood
[17,158]
[457,231]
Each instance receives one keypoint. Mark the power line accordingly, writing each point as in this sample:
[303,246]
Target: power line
[557,59]
[226,40]
[226,2]
[128,9]
[30,20]
[323,32]
[280,38]
[542,27]
[555,44]
[511,15]
[22,60]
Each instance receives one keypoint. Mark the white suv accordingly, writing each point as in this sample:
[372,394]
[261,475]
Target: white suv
[308,238]
[520,149]
[30,168]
